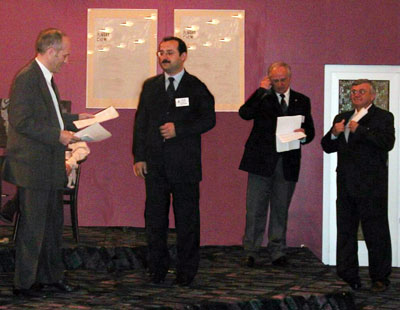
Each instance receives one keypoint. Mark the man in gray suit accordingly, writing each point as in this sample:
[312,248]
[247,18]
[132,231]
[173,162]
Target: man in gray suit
[37,136]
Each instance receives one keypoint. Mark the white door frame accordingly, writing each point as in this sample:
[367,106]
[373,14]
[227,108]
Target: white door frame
[334,73]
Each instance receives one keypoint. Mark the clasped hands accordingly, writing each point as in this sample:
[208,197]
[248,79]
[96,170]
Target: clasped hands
[339,127]
[67,137]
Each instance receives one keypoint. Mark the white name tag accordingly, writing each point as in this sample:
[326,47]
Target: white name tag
[182,102]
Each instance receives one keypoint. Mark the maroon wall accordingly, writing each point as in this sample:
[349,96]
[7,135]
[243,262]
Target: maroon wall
[306,33]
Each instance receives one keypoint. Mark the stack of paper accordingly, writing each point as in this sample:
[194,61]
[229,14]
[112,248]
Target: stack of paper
[286,137]
[94,131]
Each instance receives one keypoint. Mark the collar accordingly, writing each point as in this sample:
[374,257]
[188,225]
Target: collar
[177,77]
[47,74]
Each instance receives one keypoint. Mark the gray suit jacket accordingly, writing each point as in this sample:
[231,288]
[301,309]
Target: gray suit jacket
[34,156]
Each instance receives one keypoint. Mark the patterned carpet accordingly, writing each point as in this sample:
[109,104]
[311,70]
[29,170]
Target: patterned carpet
[109,266]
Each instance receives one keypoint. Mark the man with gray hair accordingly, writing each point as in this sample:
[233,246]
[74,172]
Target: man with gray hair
[362,139]
[272,176]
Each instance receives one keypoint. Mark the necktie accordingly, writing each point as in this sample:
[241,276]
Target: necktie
[171,88]
[283,103]
[55,89]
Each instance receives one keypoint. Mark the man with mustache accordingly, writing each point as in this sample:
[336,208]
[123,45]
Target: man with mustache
[175,108]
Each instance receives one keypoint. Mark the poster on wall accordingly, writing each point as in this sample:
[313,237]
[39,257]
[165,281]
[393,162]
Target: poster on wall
[215,40]
[120,56]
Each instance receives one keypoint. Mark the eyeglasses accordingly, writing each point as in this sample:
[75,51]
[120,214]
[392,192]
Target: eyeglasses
[361,92]
[168,53]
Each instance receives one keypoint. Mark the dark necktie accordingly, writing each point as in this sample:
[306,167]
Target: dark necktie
[55,89]
[283,104]
[171,88]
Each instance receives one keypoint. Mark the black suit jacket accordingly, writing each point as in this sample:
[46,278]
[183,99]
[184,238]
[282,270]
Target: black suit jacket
[179,157]
[260,155]
[363,161]
[34,156]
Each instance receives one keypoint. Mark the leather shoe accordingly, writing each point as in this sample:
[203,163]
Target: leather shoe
[379,286]
[63,286]
[280,262]
[182,281]
[30,293]
[248,261]
[356,285]
[158,278]
[6,219]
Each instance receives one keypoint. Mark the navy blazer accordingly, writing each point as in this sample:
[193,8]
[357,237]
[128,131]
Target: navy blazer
[35,158]
[260,155]
[363,161]
[179,157]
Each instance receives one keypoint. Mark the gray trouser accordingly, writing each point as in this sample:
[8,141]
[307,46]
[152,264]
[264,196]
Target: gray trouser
[272,192]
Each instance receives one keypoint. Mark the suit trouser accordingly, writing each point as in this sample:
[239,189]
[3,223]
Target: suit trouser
[185,200]
[263,193]
[39,238]
[373,214]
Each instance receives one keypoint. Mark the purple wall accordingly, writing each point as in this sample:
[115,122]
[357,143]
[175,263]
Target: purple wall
[306,33]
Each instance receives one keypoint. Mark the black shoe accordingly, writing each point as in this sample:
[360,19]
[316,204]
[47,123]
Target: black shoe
[379,286]
[5,218]
[355,286]
[281,262]
[182,281]
[63,286]
[158,278]
[30,293]
[248,261]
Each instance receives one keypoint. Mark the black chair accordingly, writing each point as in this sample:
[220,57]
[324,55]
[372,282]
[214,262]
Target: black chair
[70,198]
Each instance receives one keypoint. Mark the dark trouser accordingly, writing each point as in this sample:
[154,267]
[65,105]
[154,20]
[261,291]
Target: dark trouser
[373,214]
[263,193]
[185,200]
[39,238]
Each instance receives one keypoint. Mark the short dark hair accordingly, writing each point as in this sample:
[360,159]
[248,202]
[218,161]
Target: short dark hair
[181,44]
[47,38]
[364,81]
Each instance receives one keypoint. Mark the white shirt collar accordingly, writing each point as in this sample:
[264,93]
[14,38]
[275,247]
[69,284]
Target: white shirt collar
[47,74]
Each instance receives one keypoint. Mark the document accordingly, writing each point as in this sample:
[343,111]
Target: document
[286,137]
[93,133]
[105,115]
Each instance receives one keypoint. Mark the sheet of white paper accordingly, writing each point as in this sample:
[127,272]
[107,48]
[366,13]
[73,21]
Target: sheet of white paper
[289,137]
[93,133]
[104,115]
[285,126]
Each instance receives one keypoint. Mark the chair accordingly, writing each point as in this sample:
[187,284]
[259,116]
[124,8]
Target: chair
[70,198]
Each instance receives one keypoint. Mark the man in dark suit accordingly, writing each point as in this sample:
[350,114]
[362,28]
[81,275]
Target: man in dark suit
[362,144]
[272,175]
[175,108]
[37,136]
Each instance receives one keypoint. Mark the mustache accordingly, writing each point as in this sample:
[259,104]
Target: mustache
[165,61]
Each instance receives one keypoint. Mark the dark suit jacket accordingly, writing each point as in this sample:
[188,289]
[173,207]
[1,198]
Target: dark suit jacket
[179,157]
[260,156]
[362,161]
[34,156]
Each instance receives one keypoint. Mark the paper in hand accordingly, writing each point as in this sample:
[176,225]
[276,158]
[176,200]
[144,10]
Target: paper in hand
[105,115]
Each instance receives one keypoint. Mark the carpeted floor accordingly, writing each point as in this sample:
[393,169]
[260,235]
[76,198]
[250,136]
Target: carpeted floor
[109,266]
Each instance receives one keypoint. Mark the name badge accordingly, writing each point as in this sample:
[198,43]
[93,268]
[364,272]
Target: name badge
[182,102]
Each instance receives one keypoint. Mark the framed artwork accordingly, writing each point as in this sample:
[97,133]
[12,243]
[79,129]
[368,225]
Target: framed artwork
[215,40]
[121,46]
[338,80]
